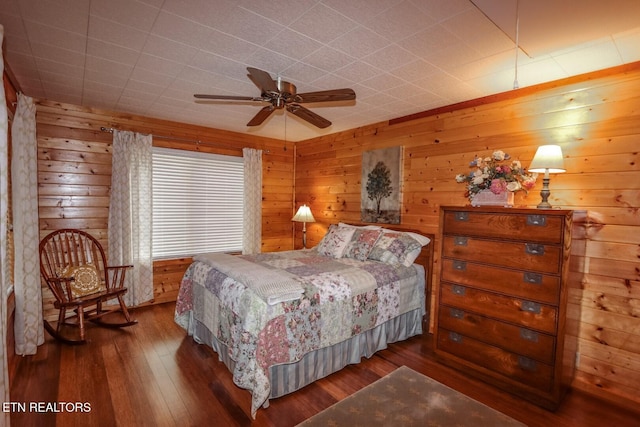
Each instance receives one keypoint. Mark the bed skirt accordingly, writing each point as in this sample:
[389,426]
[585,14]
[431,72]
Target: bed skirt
[287,378]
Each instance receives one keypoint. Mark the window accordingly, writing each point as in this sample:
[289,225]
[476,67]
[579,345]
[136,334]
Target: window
[197,203]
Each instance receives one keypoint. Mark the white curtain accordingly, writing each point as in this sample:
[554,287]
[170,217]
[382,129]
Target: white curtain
[252,227]
[130,213]
[29,331]
[4,255]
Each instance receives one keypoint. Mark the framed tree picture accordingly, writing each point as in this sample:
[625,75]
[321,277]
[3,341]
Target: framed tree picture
[381,195]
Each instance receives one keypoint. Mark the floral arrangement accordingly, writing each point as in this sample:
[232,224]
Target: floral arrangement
[498,174]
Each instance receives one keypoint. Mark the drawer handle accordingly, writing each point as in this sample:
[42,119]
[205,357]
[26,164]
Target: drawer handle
[534,249]
[532,278]
[459,265]
[526,363]
[460,241]
[529,335]
[537,220]
[458,290]
[456,313]
[455,337]
[461,216]
[531,307]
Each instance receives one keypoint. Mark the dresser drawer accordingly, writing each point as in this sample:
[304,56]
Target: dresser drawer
[512,366]
[522,255]
[532,315]
[524,284]
[535,227]
[516,339]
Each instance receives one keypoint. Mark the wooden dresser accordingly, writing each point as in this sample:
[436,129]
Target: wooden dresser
[502,300]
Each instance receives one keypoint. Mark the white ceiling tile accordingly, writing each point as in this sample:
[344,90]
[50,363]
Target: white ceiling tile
[169,49]
[146,75]
[126,12]
[361,11]
[628,45]
[543,70]
[328,58]
[70,15]
[382,82]
[390,57]
[44,34]
[358,71]
[179,29]
[359,42]
[580,61]
[415,70]
[281,11]
[480,34]
[227,46]
[105,77]
[112,52]
[56,54]
[117,34]
[302,72]
[206,12]
[443,10]
[400,21]
[433,39]
[104,66]
[270,61]
[249,26]
[45,65]
[149,57]
[292,44]
[455,55]
[322,23]
[158,65]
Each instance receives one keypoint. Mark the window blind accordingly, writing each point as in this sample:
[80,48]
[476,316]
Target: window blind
[197,203]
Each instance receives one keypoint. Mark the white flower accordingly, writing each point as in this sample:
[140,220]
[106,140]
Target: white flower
[499,155]
[513,186]
[461,177]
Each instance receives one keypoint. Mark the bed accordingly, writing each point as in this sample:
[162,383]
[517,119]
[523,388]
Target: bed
[282,320]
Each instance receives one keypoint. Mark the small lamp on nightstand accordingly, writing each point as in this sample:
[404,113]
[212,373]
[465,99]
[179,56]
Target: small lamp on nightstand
[548,159]
[304,216]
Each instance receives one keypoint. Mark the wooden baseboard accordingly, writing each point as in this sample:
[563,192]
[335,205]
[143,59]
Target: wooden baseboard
[613,399]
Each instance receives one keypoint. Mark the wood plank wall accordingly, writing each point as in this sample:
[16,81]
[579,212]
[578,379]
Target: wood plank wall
[74,177]
[596,120]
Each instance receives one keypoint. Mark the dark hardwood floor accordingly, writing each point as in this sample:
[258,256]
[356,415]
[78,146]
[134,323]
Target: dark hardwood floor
[152,374]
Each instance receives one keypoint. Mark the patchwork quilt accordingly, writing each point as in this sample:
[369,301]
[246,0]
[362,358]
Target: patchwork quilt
[341,298]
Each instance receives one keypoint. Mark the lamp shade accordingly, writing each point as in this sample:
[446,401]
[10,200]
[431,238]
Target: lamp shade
[303,215]
[548,158]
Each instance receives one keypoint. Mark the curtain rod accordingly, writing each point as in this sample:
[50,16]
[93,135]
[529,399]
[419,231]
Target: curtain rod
[196,141]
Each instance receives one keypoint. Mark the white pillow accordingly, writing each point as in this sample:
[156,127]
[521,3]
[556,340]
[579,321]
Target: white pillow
[423,240]
[335,242]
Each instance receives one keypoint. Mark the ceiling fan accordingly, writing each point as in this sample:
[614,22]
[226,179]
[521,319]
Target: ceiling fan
[281,94]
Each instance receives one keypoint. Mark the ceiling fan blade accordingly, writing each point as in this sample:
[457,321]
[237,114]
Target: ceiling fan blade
[263,80]
[308,115]
[261,116]
[226,97]
[327,96]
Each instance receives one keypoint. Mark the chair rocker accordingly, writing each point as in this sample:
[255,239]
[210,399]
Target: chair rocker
[74,266]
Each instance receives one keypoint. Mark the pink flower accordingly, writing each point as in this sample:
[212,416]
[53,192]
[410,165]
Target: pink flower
[498,186]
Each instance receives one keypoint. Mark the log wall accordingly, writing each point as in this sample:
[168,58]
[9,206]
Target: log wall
[596,120]
[74,177]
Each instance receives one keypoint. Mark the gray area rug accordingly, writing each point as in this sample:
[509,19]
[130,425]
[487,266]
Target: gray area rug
[407,398]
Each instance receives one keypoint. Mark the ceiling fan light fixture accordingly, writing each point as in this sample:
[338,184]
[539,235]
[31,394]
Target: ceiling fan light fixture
[282,94]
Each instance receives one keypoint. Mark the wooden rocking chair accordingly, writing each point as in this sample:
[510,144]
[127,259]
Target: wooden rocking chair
[74,266]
